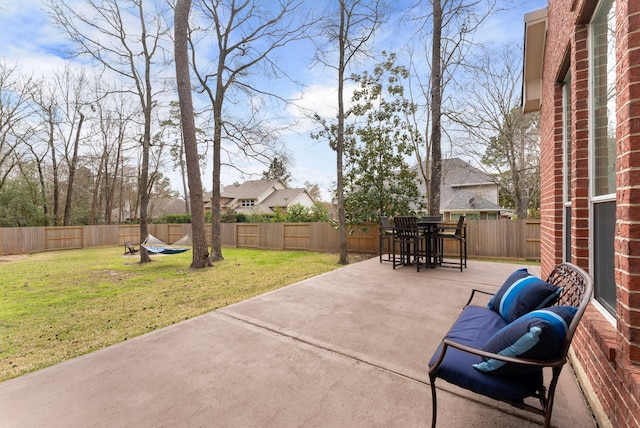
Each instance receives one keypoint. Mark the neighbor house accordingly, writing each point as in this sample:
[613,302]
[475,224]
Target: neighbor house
[582,72]
[261,197]
[466,190]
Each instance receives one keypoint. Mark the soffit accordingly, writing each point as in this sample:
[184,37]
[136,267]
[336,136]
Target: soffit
[535,33]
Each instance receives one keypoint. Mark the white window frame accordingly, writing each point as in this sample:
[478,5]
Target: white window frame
[593,199]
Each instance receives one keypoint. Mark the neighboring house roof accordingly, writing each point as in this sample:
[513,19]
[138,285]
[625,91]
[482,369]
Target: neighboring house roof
[165,206]
[264,194]
[283,198]
[466,188]
[464,200]
[458,173]
[253,189]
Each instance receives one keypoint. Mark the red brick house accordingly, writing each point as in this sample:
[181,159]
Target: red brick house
[582,71]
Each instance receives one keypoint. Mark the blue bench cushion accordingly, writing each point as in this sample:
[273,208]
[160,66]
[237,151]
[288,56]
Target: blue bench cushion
[474,327]
[522,293]
[538,335]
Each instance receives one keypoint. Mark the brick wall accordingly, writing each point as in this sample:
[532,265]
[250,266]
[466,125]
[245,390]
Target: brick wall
[627,242]
[609,357]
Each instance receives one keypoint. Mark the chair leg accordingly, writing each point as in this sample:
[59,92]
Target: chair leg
[393,261]
[465,253]
[548,408]
[434,401]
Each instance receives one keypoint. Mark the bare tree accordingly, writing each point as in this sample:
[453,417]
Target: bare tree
[114,116]
[246,35]
[125,38]
[73,164]
[347,36]
[69,99]
[183,78]
[38,154]
[46,100]
[14,114]
[499,134]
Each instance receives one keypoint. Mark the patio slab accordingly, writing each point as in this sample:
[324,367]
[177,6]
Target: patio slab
[348,348]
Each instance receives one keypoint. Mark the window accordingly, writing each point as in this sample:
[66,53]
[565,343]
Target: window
[603,153]
[469,216]
[248,202]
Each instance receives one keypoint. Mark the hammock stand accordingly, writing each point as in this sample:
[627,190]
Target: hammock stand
[156,246]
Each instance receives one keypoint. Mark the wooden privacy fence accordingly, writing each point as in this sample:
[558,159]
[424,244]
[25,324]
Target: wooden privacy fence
[515,239]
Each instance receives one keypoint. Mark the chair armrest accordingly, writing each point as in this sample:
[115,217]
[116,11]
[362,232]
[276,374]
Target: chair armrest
[446,343]
[515,360]
[473,293]
[441,228]
[451,227]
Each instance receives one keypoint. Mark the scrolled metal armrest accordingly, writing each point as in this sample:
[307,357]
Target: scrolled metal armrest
[473,293]
[491,355]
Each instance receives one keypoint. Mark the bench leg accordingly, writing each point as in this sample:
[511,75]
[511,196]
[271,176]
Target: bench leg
[434,401]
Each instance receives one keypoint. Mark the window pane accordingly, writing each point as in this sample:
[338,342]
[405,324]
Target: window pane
[567,233]
[604,225]
[566,118]
[604,99]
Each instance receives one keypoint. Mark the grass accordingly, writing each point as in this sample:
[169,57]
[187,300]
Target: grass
[57,305]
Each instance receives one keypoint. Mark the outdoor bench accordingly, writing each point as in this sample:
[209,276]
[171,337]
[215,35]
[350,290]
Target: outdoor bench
[500,350]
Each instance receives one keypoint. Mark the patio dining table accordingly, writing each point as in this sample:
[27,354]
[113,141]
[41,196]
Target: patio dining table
[429,228]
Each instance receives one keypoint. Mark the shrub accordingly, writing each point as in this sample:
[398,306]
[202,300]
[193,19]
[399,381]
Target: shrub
[297,213]
[174,219]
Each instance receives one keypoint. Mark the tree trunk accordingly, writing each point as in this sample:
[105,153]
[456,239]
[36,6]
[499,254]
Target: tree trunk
[344,255]
[200,250]
[72,173]
[436,109]
[183,174]
[96,192]
[54,170]
[216,240]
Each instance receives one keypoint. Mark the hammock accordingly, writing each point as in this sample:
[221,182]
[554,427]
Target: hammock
[156,246]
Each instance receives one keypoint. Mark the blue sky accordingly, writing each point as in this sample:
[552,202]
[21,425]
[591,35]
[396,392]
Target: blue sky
[28,40]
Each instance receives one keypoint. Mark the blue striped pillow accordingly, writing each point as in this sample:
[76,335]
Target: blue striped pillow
[522,293]
[538,335]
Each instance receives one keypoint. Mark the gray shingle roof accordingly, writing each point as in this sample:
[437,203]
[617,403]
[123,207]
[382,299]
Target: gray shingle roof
[456,172]
[282,198]
[463,187]
[467,200]
[248,189]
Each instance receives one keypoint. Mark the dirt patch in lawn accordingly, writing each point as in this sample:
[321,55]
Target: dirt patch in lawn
[12,258]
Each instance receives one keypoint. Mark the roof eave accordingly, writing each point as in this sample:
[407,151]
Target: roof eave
[535,33]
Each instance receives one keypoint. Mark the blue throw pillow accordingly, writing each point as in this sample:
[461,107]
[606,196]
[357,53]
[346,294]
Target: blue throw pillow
[538,335]
[522,293]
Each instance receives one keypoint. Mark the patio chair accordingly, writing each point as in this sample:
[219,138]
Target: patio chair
[411,241]
[385,235]
[129,248]
[485,353]
[458,234]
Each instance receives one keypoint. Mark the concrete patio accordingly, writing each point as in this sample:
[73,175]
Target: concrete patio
[345,349]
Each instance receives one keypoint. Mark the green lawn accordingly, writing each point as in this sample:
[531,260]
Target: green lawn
[57,305]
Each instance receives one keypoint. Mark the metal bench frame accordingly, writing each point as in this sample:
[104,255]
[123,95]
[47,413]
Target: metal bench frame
[577,291]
